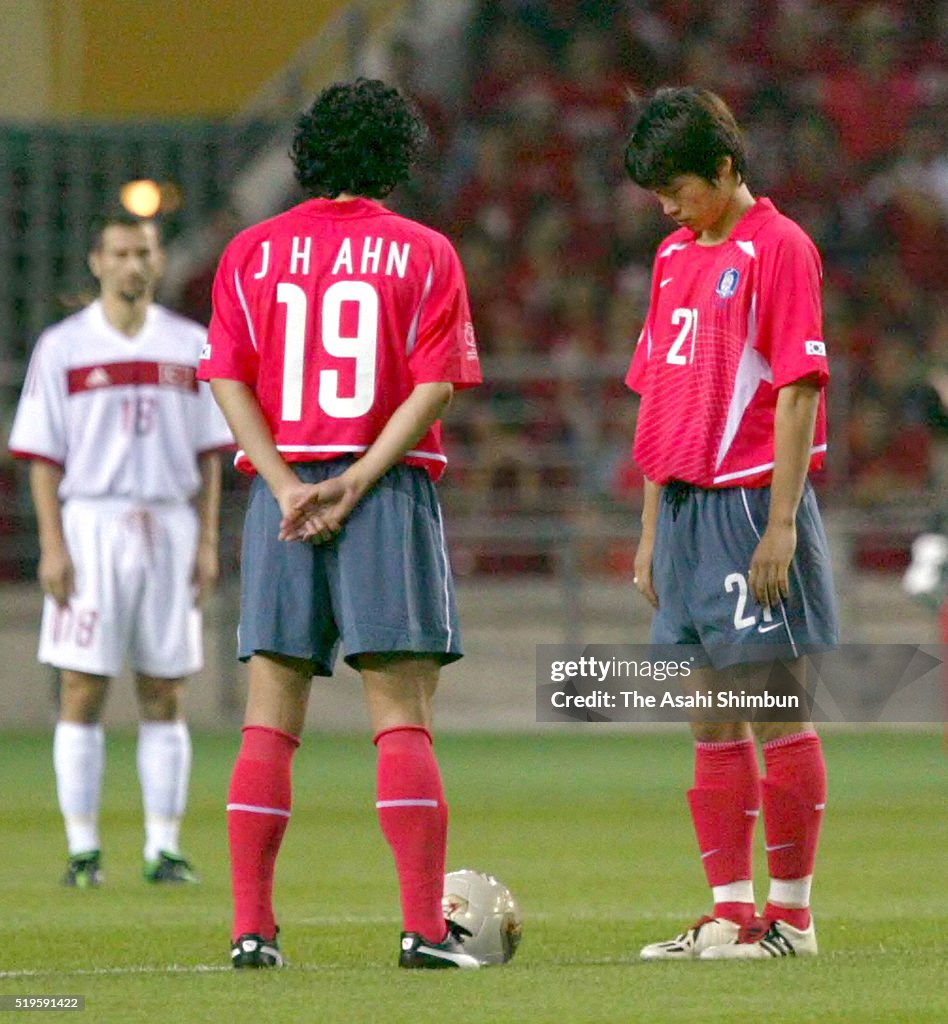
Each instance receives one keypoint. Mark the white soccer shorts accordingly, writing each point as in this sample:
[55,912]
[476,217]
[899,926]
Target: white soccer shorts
[133,596]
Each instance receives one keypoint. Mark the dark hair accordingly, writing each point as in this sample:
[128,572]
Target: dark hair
[116,218]
[683,131]
[358,137]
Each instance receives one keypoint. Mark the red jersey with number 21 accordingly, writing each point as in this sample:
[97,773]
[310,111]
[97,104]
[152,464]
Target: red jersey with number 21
[728,326]
[332,312]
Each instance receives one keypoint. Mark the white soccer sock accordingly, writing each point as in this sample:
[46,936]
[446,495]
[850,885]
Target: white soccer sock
[164,769]
[79,761]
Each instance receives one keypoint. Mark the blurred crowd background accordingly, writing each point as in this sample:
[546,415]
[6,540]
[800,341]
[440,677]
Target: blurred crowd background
[528,104]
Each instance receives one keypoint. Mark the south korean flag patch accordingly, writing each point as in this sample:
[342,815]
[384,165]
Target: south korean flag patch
[727,283]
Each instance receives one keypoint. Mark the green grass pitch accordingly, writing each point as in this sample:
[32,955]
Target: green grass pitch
[588,828]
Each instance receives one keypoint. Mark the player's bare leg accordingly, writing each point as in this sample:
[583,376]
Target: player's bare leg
[278,693]
[79,763]
[259,800]
[410,801]
[164,770]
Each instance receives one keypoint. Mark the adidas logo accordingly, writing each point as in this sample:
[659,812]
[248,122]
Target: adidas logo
[98,378]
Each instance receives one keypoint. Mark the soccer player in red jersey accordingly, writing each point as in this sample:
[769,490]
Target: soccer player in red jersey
[731,369]
[340,331]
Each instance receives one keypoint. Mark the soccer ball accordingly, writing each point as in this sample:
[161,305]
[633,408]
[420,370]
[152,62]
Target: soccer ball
[483,906]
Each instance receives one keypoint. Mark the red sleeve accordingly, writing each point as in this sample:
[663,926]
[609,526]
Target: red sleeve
[445,346]
[635,378]
[231,350]
[790,312]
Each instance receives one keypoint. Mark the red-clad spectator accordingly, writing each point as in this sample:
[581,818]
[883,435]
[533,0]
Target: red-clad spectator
[872,97]
[513,59]
[405,74]
[593,94]
[493,199]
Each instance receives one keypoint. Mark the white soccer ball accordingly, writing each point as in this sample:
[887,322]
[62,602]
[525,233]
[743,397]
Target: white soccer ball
[483,906]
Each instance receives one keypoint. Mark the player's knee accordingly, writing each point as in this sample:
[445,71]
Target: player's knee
[159,700]
[81,698]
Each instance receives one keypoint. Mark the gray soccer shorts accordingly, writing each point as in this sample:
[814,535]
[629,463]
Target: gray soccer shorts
[383,585]
[703,547]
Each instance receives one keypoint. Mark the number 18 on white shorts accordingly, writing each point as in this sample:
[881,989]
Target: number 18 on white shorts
[134,597]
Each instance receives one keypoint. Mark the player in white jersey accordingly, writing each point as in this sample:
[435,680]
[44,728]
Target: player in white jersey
[122,442]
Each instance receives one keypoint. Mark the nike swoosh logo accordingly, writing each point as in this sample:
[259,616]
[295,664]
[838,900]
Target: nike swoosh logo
[767,629]
[704,856]
[779,846]
[664,281]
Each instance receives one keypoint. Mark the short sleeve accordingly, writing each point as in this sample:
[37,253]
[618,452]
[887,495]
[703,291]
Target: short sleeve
[635,378]
[212,430]
[445,347]
[790,312]
[230,352]
[39,427]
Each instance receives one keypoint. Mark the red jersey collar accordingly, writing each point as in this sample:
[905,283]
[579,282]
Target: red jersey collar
[749,223]
[346,209]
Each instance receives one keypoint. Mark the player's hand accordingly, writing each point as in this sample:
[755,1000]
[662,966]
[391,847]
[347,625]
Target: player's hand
[206,570]
[642,571]
[317,512]
[57,575]
[770,565]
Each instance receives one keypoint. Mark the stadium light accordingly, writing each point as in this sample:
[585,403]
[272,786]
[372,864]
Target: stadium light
[141,197]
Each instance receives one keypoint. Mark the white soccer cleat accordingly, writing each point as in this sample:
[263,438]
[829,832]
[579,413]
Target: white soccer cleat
[705,933]
[766,940]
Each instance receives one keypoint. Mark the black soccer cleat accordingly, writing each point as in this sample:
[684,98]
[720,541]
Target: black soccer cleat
[418,953]
[255,951]
[84,871]
[169,868]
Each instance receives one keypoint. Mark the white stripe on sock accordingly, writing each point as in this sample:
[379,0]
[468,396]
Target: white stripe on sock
[406,803]
[790,892]
[250,809]
[734,892]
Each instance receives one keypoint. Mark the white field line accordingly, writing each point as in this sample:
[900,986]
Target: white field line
[679,917]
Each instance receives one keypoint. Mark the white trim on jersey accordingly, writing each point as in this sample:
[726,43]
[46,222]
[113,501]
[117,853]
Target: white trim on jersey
[246,309]
[754,470]
[747,247]
[674,247]
[413,328]
[751,370]
[343,449]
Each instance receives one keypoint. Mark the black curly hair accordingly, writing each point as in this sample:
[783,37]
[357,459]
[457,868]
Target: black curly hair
[358,137]
[683,131]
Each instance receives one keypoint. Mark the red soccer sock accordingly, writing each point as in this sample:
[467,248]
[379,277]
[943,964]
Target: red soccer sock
[794,799]
[725,803]
[414,820]
[258,810]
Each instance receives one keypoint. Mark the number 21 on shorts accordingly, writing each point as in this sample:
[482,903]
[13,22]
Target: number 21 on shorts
[737,581]
[362,347]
